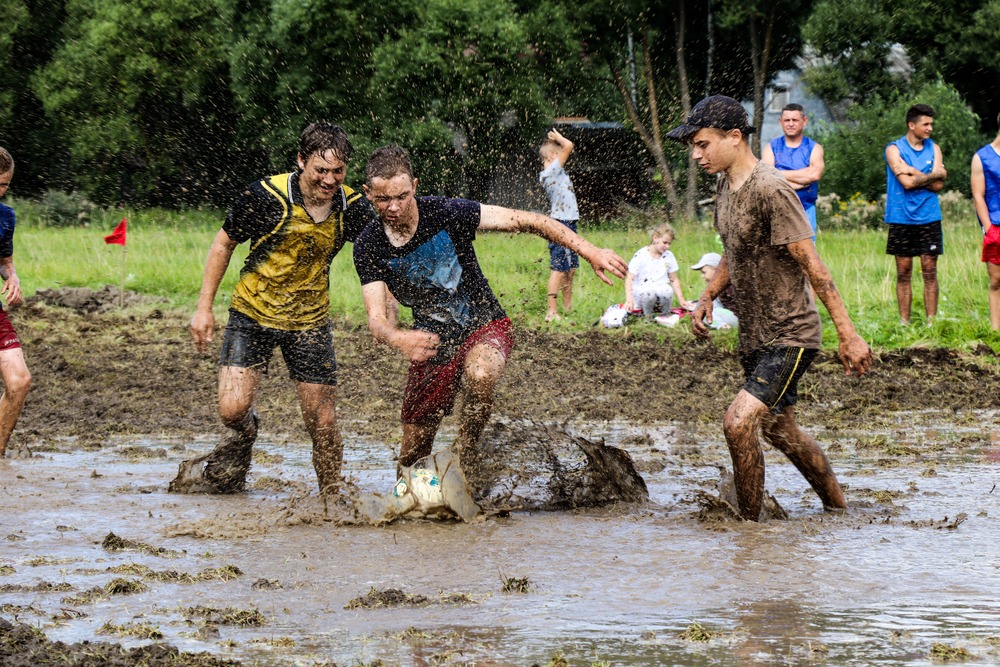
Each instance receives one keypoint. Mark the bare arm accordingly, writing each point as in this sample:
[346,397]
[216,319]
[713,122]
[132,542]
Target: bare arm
[203,321]
[676,284]
[978,183]
[499,219]
[629,281]
[564,144]
[854,351]
[416,345]
[767,154]
[12,284]
[911,178]
[702,316]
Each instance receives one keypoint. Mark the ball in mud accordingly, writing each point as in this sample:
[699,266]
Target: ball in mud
[423,484]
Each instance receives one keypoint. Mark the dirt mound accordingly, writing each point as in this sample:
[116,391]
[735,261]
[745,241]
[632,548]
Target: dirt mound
[87,300]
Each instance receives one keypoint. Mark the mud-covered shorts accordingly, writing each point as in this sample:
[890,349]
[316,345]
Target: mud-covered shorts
[8,337]
[991,245]
[915,240]
[431,388]
[308,354]
[772,374]
[563,259]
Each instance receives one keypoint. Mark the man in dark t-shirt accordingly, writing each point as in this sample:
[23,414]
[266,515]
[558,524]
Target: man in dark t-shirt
[421,255]
[769,257]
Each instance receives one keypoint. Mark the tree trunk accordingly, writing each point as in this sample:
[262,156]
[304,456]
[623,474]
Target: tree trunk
[690,192]
[760,58]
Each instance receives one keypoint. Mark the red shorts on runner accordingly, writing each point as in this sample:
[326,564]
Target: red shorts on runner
[991,244]
[431,388]
[8,337]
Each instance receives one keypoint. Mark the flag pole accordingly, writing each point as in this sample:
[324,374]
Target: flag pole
[121,292]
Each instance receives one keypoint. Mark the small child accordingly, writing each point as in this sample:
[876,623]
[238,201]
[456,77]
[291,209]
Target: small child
[723,316]
[16,378]
[652,283]
[562,206]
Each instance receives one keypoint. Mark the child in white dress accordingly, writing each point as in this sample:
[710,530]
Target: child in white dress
[652,284]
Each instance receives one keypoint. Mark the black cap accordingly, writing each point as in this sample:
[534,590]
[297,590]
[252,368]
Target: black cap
[718,111]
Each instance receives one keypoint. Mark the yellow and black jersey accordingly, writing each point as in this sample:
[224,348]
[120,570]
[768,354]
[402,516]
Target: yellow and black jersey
[285,282]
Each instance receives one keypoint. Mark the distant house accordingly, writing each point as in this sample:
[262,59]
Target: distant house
[787,88]
[610,168]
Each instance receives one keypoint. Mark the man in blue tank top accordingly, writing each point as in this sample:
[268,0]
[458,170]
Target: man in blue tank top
[986,197]
[914,174]
[798,158]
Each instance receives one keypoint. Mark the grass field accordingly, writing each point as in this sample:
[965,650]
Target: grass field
[166,254]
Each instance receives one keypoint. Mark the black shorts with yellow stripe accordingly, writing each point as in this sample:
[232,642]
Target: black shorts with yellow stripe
[772,374]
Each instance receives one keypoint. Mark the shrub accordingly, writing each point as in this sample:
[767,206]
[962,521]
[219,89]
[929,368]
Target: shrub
[62,209]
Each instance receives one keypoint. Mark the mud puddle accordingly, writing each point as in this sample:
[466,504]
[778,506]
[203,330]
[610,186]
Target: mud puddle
[266,578]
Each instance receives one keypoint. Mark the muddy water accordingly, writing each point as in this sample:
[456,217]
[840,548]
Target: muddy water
[902,571]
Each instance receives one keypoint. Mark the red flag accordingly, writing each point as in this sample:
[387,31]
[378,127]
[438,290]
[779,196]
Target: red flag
[118,236]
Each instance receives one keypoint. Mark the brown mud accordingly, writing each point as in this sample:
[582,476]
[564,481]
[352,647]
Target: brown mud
[99,374]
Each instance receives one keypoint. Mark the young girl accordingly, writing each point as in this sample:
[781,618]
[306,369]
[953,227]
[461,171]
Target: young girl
[652,281]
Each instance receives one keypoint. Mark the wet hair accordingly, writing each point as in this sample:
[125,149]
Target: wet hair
[918,110]
[387,162]
[320,137]
[6,160]
[661,230]
[794,107]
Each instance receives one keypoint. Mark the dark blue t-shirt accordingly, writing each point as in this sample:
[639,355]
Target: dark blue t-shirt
[435,273]
[7,222]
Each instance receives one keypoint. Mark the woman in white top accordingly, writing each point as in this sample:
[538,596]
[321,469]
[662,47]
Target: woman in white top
[652,283]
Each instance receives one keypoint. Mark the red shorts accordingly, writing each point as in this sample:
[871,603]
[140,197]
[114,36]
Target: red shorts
[431,388]
[991,244]
[8,337]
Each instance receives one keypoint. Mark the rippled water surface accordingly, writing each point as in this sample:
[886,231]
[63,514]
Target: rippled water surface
[911,570]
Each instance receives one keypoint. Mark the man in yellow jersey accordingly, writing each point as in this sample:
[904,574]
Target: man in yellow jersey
[295,223]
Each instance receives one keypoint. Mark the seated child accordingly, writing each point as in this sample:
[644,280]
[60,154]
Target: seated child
[652,283]
[723,316]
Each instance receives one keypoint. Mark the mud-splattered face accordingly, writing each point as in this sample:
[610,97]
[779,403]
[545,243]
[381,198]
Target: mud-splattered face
[715,150]
[321,176]
[393,198]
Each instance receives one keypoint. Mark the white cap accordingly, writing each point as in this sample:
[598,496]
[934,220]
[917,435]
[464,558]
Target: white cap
[708,259]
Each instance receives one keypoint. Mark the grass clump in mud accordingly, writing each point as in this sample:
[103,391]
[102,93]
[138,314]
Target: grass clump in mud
[228,616]
[137,630]
[388,597]
[696,632]
[941,652]
[114,543]
[277,642]
[117,586]
[41,587]
[514,584]
[7,570]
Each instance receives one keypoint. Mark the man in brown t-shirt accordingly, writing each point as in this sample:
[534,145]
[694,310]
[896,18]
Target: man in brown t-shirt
[769,257]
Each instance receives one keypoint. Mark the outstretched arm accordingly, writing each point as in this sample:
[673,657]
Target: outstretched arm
[854,351]
[203,322]
[499,219]
[380,306]
[12,284]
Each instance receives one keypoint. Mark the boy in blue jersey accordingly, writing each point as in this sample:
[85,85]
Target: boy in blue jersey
[420,254]
[915,173]
[985,183]
[16,378]
[798,158]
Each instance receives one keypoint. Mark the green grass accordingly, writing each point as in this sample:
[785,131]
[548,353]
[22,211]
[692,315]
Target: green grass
[166,254]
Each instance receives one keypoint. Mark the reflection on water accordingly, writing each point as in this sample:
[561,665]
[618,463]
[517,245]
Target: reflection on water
[880,585]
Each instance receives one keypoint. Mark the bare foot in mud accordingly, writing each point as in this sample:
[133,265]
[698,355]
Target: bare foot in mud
[224,469]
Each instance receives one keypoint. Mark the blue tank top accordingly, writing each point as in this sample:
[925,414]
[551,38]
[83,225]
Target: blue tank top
[790,159]
[991,170]
[911,207]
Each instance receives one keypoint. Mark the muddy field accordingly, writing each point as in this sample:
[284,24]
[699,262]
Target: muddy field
[101,566]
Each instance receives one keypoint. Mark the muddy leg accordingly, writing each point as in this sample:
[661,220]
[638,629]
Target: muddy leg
[318,402]
[17,382]
[224,469]
[483,367]
[904,289]
[741,425]
[418,439]
[567,290]
[784,433]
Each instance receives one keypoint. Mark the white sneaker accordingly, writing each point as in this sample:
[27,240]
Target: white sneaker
[668,320]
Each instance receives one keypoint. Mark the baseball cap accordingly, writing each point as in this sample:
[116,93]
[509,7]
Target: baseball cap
[708,259]
[718,111]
